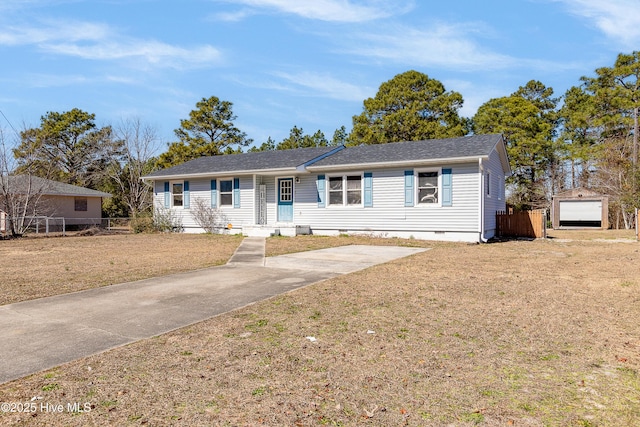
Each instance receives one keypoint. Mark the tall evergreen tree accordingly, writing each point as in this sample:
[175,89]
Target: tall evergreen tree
[268,145]
[616,109]
[340,136]
[411,106]
[68,147]
[579,135]
[298,139]
[209,131]
[528,121]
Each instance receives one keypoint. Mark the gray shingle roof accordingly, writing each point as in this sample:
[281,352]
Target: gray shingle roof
[263,160]
[474,146]
[434,149]
[37,185]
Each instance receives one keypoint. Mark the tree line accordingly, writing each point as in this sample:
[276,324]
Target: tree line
[587,137]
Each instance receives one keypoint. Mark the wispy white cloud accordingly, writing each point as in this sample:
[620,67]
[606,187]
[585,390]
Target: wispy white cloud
[43,80]
[308,84]
[69,31]
[151,52]
[436,45]
[92,41]
[235,16]
[333,10]
[40,80]
[617,19]
[325,85]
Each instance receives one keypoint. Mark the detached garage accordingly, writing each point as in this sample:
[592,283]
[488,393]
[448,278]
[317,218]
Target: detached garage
[580,208]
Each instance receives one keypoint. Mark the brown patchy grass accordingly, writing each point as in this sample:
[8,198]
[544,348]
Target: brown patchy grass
[514,333]
[39,267]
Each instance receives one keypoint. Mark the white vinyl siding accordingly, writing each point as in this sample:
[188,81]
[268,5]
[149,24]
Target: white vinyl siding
[201,189]
[492,192]
[388,212]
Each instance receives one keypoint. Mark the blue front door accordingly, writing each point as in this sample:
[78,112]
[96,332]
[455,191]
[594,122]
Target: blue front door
[285,199]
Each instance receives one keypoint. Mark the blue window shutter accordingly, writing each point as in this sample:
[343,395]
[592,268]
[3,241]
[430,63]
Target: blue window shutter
[214,193]
[408,188]
[446,187]
[322,194]
[236,192]
[368,189]
[167,195]
[186,197]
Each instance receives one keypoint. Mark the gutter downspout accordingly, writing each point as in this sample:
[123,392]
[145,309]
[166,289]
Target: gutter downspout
[481,238]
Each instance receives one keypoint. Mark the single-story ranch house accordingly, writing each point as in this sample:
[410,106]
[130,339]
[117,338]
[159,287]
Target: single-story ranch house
[79,206]
[447,189]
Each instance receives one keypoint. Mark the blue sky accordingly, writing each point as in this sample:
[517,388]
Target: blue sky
[309,63]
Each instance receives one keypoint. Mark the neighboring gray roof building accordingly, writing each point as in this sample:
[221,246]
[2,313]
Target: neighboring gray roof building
[78,206]
[34,184]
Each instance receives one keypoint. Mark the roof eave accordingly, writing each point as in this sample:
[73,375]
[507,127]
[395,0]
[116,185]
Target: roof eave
[404,163]
[77,195]
[504,156]
[275,171]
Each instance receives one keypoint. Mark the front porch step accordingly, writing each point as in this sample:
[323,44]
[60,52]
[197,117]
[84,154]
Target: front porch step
[275,230]
[258,231]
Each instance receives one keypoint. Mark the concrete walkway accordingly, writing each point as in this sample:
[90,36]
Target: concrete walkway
[249,253]
[43,333]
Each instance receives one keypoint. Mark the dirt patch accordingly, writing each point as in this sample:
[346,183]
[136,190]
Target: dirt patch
[587,234]
[38,267]
[514,333]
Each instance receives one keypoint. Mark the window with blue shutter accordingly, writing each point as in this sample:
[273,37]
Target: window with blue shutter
[368,189]
[214,193]
[408,188]
[236,192]
[186,198]
[167,195]
[447,195]
[320,183]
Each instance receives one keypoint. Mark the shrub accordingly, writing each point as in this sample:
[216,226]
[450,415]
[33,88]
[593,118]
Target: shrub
[210,219]
[165,220]
[143,224]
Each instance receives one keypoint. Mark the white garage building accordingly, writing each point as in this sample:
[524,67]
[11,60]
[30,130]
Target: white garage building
[580,208]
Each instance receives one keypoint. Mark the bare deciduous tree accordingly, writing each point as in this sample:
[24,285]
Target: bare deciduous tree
[21,198]
[139,140]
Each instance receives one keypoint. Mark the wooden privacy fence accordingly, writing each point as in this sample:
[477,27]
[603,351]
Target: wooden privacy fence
[531,224]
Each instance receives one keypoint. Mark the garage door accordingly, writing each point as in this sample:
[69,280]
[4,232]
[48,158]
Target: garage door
[586,213]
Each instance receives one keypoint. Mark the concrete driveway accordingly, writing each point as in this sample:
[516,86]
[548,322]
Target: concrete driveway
[47,332]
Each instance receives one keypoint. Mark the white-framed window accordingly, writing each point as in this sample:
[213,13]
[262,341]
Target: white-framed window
[226,192]
[177,194]
[428,187]
[345,190]
[286,190]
